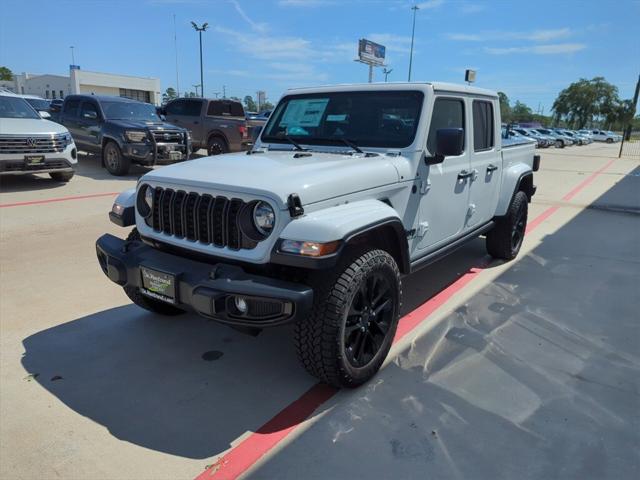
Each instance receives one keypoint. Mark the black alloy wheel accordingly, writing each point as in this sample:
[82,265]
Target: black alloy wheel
[369,319]
[518,229]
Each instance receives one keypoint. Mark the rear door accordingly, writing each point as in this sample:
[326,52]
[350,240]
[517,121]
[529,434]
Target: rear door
[187,113]
[486,162]
[443,187]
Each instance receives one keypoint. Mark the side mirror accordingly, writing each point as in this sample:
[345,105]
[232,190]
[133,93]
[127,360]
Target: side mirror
[449,143]
[90,115]
[44,114]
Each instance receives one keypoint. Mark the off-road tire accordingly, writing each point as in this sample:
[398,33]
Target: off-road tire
[216,146]
[113,160]
[500,239]
[62,176]
[151,304]
[609,140]
[319,338]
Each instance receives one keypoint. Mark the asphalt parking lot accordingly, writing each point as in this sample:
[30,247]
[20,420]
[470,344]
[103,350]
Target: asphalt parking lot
[529,369]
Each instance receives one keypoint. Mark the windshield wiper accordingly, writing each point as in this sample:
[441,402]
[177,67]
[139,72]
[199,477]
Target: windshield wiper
[294,143]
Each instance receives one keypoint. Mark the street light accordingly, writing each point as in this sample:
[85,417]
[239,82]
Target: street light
[386,73]
[196,87]
[216,94]
[200,30]
[415,8]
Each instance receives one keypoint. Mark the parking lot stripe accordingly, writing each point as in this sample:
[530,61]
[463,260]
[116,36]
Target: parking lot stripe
[59,199]
[248,452]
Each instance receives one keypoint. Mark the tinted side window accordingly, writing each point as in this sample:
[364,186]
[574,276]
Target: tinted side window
[89,108]
[447,113]
[236,110]
[192,108]
[71,107]
[216,109]
[175,108]
[483,138]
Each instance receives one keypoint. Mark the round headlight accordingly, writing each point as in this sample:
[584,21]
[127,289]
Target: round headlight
[264,218]
[145,200]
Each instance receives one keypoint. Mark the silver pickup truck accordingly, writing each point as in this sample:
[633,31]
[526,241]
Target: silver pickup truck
[219,126]
[347,189]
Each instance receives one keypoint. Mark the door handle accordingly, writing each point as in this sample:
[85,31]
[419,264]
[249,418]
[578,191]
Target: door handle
[491,168]
[464,174]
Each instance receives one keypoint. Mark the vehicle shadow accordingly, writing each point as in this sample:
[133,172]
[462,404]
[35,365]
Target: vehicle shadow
[184,385]
[28,182]
[90,166]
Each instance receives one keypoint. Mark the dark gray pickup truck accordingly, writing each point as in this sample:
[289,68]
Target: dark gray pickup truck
[219,126]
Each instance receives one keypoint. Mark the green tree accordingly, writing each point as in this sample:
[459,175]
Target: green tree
[521,112]
[587,101]
[169,94]
[267,105]
[6,74]
[505,108]
[249,104]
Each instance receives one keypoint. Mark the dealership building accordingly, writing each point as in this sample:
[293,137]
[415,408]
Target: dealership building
[81,81]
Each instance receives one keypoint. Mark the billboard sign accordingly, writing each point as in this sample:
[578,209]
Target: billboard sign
[371,52]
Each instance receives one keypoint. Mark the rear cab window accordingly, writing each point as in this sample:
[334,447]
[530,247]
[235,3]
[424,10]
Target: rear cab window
[189,108]
[483,126]
[222,108]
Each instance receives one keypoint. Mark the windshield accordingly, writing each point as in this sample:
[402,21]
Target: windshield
[130,111]
[39,104]
[366,119]
[15,107]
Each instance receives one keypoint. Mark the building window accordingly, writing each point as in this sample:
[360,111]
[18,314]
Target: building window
[140,95]
[46,94]
[53,94]
[22,90]
[61,93]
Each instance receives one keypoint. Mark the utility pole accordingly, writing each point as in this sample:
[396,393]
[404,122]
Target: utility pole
[224,91]
[216,94]
[386,73]
[175,45]
[415,8]
[196,87]
[73,58]
[200,30]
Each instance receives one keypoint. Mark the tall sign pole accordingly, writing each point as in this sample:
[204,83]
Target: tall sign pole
[415,8]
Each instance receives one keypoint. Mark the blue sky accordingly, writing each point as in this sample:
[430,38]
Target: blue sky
[530,50]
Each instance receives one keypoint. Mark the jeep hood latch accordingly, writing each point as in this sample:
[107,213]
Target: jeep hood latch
[295,205]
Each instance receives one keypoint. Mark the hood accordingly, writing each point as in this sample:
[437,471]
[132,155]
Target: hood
[314,178]
[29,126]
[142,124]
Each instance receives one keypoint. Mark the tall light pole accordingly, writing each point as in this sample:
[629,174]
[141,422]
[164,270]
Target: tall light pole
[415,8]
[196,87]
[386,73]
[200,30]
[175,45]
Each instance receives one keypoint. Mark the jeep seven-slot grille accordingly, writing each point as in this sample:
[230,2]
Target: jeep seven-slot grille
[202,218]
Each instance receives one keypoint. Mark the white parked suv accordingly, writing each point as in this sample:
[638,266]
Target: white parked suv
[347,189]
[31,144]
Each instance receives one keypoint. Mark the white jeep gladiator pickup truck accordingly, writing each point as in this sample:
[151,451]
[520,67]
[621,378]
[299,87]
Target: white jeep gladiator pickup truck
[347,189]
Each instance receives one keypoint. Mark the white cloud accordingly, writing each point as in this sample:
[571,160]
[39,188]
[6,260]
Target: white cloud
[430,4]
[267,47]
[303,3]
[534,36]
[258,27]
[392,42]
[468,8]
[552,49]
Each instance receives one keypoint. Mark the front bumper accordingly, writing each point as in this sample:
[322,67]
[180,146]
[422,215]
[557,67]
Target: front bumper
[208,289]
[16,164]
[158,154]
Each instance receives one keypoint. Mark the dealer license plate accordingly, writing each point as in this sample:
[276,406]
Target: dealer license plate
[158,285]
[34,160]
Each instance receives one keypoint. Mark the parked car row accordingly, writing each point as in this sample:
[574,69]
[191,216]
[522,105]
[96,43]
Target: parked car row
[563,137]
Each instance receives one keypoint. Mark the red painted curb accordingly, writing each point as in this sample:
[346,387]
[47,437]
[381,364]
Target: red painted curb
[59,199]
[248,452]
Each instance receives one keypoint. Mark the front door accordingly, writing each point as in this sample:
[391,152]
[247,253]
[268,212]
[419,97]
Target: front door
[443,187]
[486,163]
[89,126]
